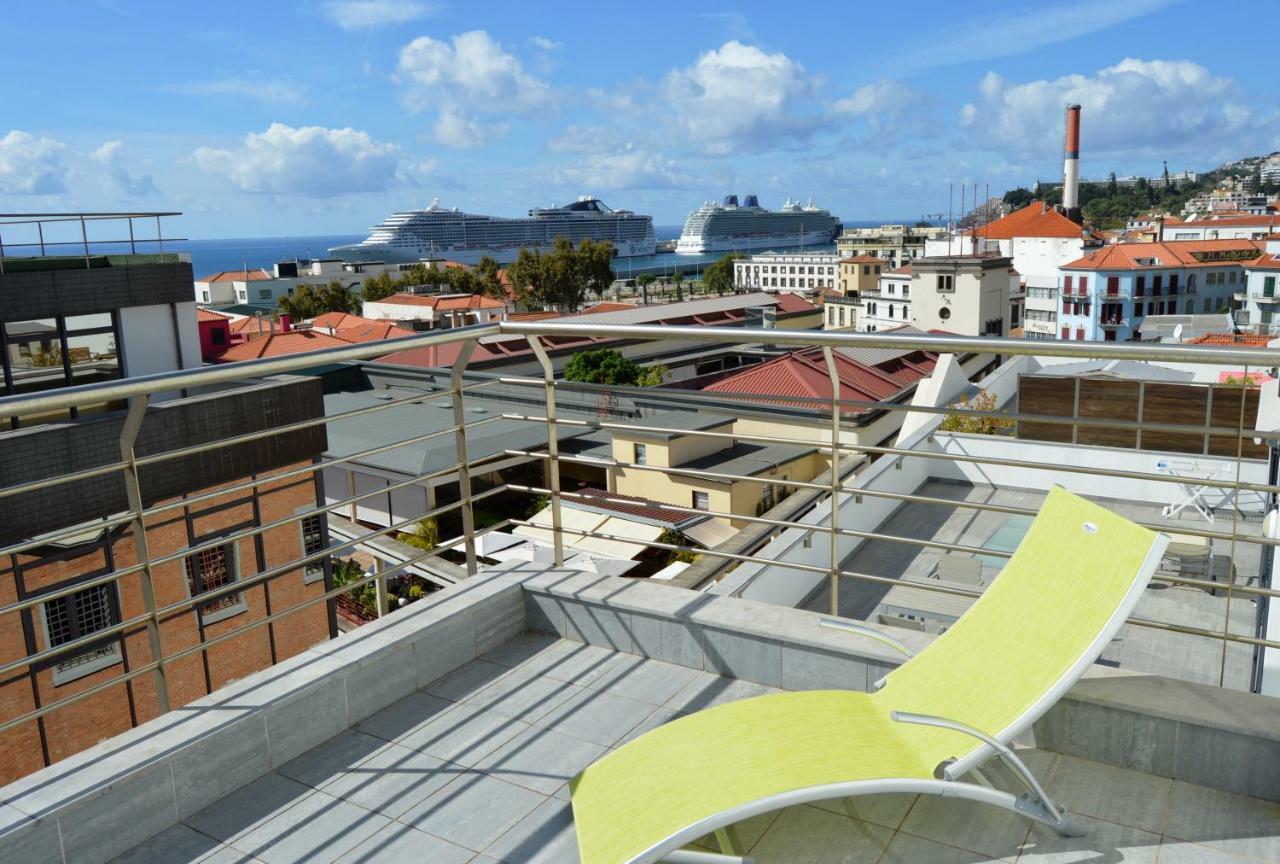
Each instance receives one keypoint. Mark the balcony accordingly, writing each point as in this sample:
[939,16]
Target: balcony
[448,729]
[1264,298]
[1113,323]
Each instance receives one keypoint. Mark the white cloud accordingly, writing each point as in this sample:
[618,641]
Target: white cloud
[626,168]
[1156,106]
[364,14]
[311,161]
[878,97]
[31,165]
[464,79]
[586,139]
[117,180]
[251,86]
[737,97]
[545,44]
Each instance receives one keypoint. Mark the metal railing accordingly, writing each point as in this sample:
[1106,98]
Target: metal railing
[43,245]
[831,421]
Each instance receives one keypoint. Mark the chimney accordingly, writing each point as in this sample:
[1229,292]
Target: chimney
[1071,166]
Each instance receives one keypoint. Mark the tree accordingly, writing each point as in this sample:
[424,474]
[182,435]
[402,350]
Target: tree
[379,287]
[652,376]
[644,280]
[1111,185]
[425,535]
[1019,197]
[718,277]
[562,277]
[594,265]
[677,281]
[985,424]
[487,271]
[308,301]
[602,366]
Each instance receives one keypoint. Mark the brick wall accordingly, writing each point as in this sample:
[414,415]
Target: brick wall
[117,708]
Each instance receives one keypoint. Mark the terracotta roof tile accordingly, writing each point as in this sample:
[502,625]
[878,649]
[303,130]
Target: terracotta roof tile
[862,259]
[444,302]
[1169,253]
[237,276]
[203,314]
[1034,220]
[1248,340]
[372,331]
[280,344]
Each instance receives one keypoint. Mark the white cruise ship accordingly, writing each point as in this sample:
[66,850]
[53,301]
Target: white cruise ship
[444,232]
[734,227]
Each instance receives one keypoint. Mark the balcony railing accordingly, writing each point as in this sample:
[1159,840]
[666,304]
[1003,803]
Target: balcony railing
[1113,323]
[82,234]
[862,477]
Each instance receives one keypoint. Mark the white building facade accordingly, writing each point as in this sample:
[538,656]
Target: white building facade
[797,273]
[889,306]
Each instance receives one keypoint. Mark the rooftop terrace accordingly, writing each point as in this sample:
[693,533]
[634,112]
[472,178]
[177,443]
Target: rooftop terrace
[448,729]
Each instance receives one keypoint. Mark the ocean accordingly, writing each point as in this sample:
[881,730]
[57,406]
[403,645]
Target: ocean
[211,256]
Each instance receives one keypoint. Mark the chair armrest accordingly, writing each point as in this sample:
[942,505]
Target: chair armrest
[864,630]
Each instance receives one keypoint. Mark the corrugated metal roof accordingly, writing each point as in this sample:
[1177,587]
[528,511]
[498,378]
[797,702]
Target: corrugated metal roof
[1131,369]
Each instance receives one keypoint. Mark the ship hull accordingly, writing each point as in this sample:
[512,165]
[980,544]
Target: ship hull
[366,252]
[692,244]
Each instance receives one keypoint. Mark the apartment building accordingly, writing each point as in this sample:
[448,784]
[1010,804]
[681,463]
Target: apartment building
[840,312]
[1220,228]
[1106,295]
[965,295]
[888,305]
[895,245]
[60,536]
[1260,299]
[859,273]
[797,273]
[435,311]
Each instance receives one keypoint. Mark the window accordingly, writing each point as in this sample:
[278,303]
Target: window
[205,295]
[1066,333]
[701,500]
[766,498]
[890,310]
[640,454]
[50,353]
[1140,286]
[264,293]
[1084,285]
[1155,285]
[944,313]
[1067,282]
[866,269]
[1113,284]
[946,283]
[312,542]
[76,616]
[208,570]
[1079,334]
[1173,283]
[218,336]
[1269,286]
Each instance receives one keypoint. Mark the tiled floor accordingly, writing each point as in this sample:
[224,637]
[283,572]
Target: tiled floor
[1142,649]
[474,769]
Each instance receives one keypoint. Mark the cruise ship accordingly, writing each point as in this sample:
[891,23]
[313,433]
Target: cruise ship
[731,226]
[447,232]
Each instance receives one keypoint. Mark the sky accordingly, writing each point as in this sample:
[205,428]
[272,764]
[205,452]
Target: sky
[309,117]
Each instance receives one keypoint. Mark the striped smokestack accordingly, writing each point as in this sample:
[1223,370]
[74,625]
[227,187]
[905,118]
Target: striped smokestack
[1071,165]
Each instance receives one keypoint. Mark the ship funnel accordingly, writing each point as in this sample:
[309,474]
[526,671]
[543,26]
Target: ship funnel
[751,201]
[731,200]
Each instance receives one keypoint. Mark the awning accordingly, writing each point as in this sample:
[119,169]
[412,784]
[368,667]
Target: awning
[671,571]
[570,518]
[592,524]
[709,532]
[619,526]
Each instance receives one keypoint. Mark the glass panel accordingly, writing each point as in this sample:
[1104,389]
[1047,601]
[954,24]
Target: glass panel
[99,321]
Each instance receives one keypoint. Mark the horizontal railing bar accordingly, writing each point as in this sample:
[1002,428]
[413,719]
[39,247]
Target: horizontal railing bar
[942,589]
[185,379]
[91,242]
[73,646]
[847,448]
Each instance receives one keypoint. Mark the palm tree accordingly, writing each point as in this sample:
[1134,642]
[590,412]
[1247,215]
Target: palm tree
[644,280]
[425,535]
[677,279]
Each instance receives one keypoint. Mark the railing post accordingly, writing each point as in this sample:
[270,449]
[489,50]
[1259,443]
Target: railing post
[464,457]
[380,588]
[834,517]
[40,232]
[553,446]
[84,238]
[128,437]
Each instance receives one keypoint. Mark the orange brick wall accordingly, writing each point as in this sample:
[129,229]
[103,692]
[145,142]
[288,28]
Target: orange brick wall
[108,712]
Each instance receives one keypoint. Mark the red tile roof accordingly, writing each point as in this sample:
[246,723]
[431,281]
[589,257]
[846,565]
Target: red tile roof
[280,344]
[203,314]
[1034,220]
[607,307]
[532,316]
[904,270]
[791,303]
[1169,253]
[628,505]
[1265,262]
[372,332]
[1228,221]
[1249,340]
[249,324]
[237,276]
[803,374]
[444,302]
[338,320]
[862,259]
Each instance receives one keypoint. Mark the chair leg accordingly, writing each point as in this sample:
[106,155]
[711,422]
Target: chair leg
[728,840]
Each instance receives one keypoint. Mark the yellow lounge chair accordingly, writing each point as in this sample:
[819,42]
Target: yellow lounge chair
[1074,579]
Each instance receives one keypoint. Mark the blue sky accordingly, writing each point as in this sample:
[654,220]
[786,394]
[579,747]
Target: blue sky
[320,116]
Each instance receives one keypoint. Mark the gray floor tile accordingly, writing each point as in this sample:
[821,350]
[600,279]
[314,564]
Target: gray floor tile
[659,717]
[545,836]
[321,764]
[540,759]
[745,834]
[1178,852]
[1114,794]
[909,849]
[574,662]
[524,650]
[642,679]
[886,810]
[183,845]
[1225,822]
[463,734]
[393,780]
[249,807]
[980,828]
[473,811]
[400,844]
[467,680]
[595,716]
[807,835]
[317,828]
[404,717]
[1106,841]
[705,690]
[523,696]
